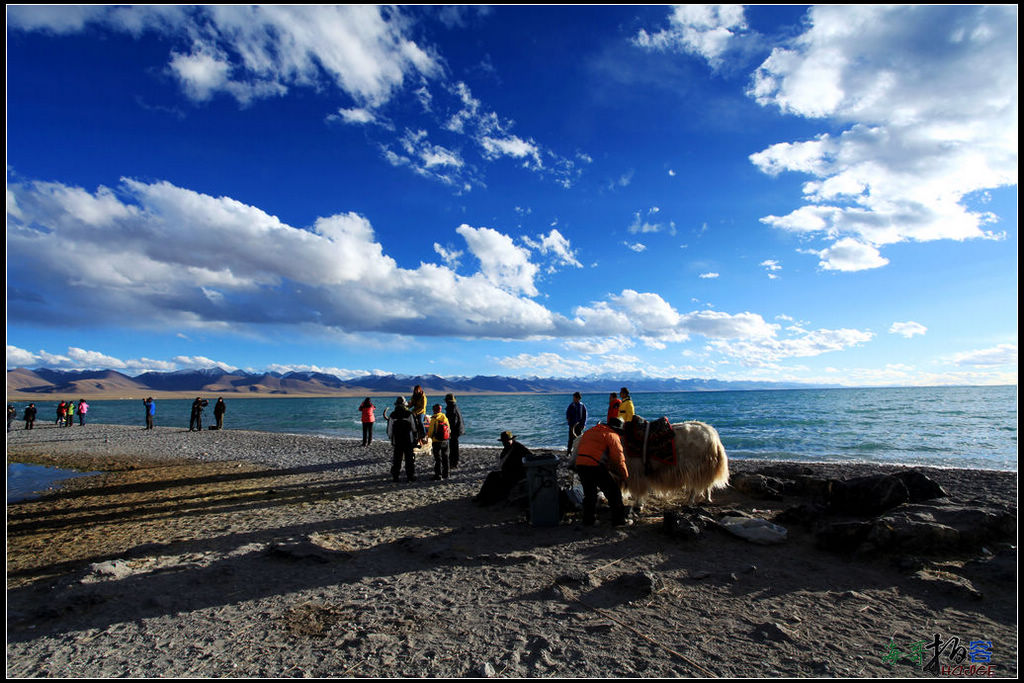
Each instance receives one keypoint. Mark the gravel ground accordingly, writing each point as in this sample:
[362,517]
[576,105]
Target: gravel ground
[251,554]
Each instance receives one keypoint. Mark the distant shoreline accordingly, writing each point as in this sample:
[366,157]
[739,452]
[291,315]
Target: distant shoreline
[190,394]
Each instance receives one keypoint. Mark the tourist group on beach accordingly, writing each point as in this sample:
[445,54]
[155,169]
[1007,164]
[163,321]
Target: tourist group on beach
[195,419]
[66,411]
[599,463]
[408,429]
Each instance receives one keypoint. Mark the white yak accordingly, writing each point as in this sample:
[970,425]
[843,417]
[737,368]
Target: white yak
[700,466]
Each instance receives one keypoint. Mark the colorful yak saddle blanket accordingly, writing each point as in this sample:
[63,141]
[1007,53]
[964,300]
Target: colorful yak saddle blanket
[650,440]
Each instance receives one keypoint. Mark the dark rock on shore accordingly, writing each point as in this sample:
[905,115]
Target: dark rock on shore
[869,495]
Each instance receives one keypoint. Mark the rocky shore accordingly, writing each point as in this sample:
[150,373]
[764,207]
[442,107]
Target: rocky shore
[252,554]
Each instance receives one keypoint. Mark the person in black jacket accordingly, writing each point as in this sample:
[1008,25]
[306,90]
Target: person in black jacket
[219,408]
[402,430]
[511,471]
[451,411]
[195,423]
[30,416]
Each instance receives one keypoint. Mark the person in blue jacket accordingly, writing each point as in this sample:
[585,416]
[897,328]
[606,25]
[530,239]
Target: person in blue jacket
[576,416]
[150,406]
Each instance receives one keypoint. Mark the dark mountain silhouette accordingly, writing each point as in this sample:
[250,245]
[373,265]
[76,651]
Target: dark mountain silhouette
[112,384]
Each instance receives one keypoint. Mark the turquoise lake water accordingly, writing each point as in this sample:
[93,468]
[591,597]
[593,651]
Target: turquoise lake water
[938,426]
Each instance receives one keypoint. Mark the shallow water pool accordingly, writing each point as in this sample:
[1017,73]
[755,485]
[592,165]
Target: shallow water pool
[25,482]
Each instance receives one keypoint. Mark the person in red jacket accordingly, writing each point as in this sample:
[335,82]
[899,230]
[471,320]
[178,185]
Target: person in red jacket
[613,406]
[601,464]
[366,409]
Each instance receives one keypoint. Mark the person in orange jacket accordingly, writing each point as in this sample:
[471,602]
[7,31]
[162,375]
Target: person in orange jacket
[601,464]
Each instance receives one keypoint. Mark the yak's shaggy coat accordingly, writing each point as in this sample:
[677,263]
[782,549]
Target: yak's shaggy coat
[701,465]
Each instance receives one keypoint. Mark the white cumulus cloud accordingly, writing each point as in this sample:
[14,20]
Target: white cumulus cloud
[907,329]
[927,96]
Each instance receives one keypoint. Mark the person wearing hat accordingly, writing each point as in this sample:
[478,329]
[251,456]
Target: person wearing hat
[601,464]
[451,411]
[576,416]
[511,471]
[402,431]
[439,434]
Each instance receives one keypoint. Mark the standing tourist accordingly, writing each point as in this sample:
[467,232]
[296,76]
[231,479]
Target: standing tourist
[30,416]
[195,423]
[440,433]
[150,405]
[418,406]
[576,416]
[613,406]
[601,464]
[402,430]
[218,413]
[12,415]
[626,411]
[366,409]
[454,415]
[62,413]
[83,408]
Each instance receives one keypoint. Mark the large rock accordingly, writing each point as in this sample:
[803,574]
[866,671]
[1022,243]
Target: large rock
[922,529]
[919,486]
[687,523]
[757,486]
[901,533]
[974,525]
[868,496]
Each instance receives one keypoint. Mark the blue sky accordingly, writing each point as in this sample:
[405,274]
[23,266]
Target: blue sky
[819,194]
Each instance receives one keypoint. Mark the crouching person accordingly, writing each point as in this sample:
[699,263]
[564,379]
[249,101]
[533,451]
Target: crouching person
[601,464]
[511,471]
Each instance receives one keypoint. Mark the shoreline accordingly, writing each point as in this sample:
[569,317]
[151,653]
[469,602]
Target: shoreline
[256,554]
[60,435]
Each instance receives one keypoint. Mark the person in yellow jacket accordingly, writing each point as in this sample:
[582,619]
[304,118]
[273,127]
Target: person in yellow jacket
[440,432]
[418,406]
[601,464]
[626,411]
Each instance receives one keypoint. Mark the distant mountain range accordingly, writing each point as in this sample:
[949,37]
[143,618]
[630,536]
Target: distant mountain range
[25,384]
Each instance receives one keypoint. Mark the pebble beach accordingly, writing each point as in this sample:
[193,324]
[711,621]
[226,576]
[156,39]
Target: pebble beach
[247,554]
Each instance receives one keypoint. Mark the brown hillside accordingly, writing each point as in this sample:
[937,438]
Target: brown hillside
[21,379]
